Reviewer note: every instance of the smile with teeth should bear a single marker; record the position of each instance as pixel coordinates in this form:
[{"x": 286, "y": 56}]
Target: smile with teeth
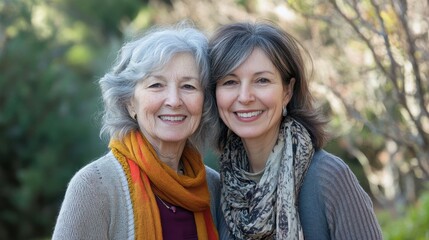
[
  {"x": 248, "y": 114},
  {"x": 172, "y": 118}
]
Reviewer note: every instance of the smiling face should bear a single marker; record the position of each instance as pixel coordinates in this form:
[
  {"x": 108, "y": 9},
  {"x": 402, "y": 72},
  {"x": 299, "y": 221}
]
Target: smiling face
[
  {"x": 169, "y": 102},
  {"x": 250, "y": 99}
]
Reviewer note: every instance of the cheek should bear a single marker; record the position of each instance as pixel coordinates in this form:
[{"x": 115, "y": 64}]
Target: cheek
[
  {"x": 221, "y": 100},
  {"x": 273, "y": 98},
  {"x": 196, "y": 105},
  {"x": 147, "y": 107}
]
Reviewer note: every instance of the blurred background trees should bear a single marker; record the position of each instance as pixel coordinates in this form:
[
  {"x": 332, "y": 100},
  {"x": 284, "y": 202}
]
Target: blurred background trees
[
  {"x": 378, "y": 54},
  {"x": 51, "y": 53},
  {"x": 370, "y": 75}
]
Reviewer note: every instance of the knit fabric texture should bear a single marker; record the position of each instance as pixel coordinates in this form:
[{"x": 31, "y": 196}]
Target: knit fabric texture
[
  {"x": 333, "y": 205},
  {"x": 97, "y": 204}
]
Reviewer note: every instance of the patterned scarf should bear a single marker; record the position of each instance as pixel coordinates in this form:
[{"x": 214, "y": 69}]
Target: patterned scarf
[
  {"x": 268, "y": 209},
  {"x": 147, "y": 175}
]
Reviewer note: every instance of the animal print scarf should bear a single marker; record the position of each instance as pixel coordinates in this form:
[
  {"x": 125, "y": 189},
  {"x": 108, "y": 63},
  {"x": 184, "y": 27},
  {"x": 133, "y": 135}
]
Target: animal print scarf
[{"x": 268, "y": 209}]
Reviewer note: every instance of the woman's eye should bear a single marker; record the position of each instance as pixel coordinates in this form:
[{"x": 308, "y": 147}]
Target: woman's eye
[
  {"x": 228, "y": 82},
  {"x": 189, "y": 86},
  {"x": 263, "y": 80},
  {"x": 155, "y": 85}
]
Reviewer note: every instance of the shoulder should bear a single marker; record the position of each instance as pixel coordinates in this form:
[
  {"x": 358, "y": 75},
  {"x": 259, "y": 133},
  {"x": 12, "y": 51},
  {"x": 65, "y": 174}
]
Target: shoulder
[
  {"x": 88, "y": 175},
  {"x": 324, "y": 174},
  {"x": 96, "y": 173},
  {"x": 328, "y": 163},
  {"x": 334, "y": 180},
  {"x": 212, "y": 174},
  {"x": 95, "y": 202},
  {"x": 330, "y": 197},
  {"x": 326, "y": 169},
  {"x": 213, "y": 181},
  {"x": 329, "y": 177},
  {"x": 98, "y": 181}
]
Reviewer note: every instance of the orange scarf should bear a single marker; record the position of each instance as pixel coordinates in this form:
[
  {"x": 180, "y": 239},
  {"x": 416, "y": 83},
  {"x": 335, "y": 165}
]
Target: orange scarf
[{"x": 147, "y": 175}]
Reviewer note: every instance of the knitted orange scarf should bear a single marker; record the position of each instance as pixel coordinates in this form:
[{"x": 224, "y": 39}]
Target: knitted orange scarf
[{"x": 147, "y": 175}]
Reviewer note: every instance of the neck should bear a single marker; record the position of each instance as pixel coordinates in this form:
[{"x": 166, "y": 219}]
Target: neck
[
  {"x": 170, "y": 153},
  {"x": 259, "y": 149}
]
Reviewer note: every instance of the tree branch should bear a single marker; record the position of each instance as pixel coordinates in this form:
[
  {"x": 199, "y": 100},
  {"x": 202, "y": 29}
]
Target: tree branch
[
  {"x": 362, "y": 36},
  {"x": 393, "y": 66},
  {"x": 401, "y": 14}
]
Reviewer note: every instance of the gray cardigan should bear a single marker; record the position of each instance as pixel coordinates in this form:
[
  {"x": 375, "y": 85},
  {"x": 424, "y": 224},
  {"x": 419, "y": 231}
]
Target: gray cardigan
[
  {"x": 97, "y": 204},
  {"x": 332, "y": 204}
]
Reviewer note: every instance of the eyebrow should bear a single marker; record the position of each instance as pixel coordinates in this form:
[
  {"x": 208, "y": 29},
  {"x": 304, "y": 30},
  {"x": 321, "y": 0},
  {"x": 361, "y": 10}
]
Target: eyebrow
[
  {"x": 184, "y": 78},
  {"x": 262, "y": 72},
  {"x": 256, "y": 74}
]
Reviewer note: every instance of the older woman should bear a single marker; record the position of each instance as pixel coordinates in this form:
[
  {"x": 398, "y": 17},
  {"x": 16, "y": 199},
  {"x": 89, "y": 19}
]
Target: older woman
[
  {"x": 153, "y": 183},
  {"x": 277, "y": 181}
]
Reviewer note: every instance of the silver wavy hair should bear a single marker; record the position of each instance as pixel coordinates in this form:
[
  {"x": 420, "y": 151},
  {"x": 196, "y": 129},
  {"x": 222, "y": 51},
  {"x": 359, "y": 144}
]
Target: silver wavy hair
[{"x": 136, "y": 60}]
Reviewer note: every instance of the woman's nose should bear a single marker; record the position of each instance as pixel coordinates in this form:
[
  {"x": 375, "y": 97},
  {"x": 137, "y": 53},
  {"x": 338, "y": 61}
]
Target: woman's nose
[
  {"x": 173, "y": 98},
  {"x": 245, "y": 94}
]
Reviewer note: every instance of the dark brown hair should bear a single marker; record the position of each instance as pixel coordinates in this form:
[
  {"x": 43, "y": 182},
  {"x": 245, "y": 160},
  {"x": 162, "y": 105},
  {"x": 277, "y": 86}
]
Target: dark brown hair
[{"x": 232, "y": 44}]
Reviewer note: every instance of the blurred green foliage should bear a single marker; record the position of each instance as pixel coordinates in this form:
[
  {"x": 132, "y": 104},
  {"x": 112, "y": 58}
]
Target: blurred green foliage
[
  {"x": 413, "y": 225},
  {"x": 51, "y": 54}
]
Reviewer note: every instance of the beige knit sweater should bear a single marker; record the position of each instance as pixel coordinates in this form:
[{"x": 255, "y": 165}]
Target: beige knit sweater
[{"x": 97, "y": 204}]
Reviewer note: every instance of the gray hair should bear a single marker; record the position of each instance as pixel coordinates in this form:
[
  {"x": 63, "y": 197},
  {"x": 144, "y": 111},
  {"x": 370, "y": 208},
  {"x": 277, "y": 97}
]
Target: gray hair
[
  {"x": 139, "y": 58},
  {"x": 232, "y": 44}
]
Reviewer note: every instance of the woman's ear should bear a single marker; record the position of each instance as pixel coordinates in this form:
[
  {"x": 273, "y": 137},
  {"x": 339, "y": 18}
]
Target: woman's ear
[
  {"x": 289, "y": 91},
  {"x": 131, "y": 109}
]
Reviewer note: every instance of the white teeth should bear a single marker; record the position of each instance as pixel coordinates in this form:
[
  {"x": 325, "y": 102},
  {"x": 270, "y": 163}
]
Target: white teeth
[
  {"x": 172, "y": 119},
  {"x": 249, "y": 114}
]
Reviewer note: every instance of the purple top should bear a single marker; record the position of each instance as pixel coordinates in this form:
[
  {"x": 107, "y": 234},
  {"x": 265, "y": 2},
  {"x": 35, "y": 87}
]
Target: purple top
[{"x": 176, "y": 225}]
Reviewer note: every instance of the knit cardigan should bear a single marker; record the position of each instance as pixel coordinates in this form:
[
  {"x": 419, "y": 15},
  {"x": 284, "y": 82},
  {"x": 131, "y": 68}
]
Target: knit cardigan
[
  {"x": 97, "y": 204},
  {"x": 333, "y": 205}
]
